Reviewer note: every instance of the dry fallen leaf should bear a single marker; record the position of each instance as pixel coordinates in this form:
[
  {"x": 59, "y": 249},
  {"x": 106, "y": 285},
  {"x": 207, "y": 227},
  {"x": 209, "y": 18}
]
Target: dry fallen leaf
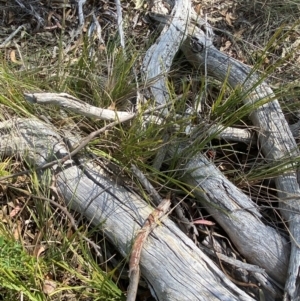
[
  {"x": 13, "y": 57},
  {"x": 139, "y": 4},
  {"x": 15, "y": 211},
  {"x": 17, "y": 230},
  {"x": 38, "y": 250},
  {"x": 112, "y": 106},
  {"x": 198, "y": 9},
  {"x": 49, "y": 286},
  {"x": 228, "y": 18},
  {"x": 227, "y": 45},
  {"x": 238, "y": 34}
]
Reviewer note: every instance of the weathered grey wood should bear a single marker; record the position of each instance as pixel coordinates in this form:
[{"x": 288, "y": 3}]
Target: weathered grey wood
[
  {"x": 171, "y": 247},
  {"x": 173, "y": 266},
  {"x": 73, "y": 104},
  {"x": 232, "y": 208},
  {"x": 238, "y": 215},
  {"x": 70, "y": 103},
  {"x": 274, "y": 134},
  {"x": 167, "y": 246},
  {"x": 159, "y": 57}
]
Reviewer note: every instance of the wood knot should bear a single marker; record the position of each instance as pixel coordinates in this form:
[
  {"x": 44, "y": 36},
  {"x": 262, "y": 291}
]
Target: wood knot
[{"x": 196, "y": 45}]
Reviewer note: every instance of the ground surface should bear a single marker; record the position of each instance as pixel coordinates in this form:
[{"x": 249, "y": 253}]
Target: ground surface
[{"x": 51, "y": 52}]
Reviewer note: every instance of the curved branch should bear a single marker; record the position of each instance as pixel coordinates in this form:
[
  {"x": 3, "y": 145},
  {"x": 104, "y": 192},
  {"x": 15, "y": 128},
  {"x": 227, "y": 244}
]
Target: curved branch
[
  {"x": 274, "y": 134},
  {"x": 168, "y": 258},
  {"x": 237, "y": 213},
  {"x": 73, "y": 104}
]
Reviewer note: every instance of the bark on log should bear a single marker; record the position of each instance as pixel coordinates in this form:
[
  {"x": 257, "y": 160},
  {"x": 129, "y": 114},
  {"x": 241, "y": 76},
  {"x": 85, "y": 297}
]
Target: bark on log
[
  {"x": 273, "y": 131},
  {"x": 236, "y": 212},
  {"x": 169, "y": 257},
  {"x": 274, "y": 134},
  {"x": 173, "y": 266}
]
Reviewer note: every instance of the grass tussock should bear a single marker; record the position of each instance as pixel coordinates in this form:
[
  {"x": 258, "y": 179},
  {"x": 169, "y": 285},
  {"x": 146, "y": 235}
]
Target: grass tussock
[{"x": 42, "y": 257}]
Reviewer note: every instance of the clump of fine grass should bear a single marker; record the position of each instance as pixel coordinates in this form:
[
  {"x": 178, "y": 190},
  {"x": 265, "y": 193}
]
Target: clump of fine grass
[
  {"x": 46, "y": 247},
  {"x": 50, "y": 260}
]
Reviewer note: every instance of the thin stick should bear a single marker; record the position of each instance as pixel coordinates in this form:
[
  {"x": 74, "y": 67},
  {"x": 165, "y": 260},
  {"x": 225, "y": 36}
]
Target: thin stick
[
  {"x": 11, "y": 36},
  {"x": 150, "y": 223},
  {"x": 120, "y": 23},
  {"x": 80, "y": 12},
  {"x": 83, "y": 143},
  {"x": 146, "y": 184},
  {"x": 98, "y": 29}
]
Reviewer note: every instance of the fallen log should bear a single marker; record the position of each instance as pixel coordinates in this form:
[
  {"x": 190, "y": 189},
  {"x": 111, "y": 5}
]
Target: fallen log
[
  {"x": 274, "y": 134},
  {"x": 167, "y": 257},
  {"x": 235, "y": 212},
  {"x": 173, "y": 266}
]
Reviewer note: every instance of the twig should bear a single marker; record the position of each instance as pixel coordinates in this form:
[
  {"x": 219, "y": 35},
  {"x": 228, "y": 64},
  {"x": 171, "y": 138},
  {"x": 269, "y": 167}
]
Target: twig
[
  {"x": 258, "y": 273},
  {"x": 80, "y": 12},
  {"x": 235, "y": 262},
  {"x": 184, "y": 224},
  {"x": 120, "y": 23},
  {"x": 10, "y": 37},
  {"x": 31, "y": 12},
  {"x": 74, "y": 104},
  {"x": 150, "y": 224},
  {"x": 94, "y": 27},
  {"x": 83, "y": 143},
  {"x": 146, "y": 184},
  {"x": 98, "y": 29}
]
